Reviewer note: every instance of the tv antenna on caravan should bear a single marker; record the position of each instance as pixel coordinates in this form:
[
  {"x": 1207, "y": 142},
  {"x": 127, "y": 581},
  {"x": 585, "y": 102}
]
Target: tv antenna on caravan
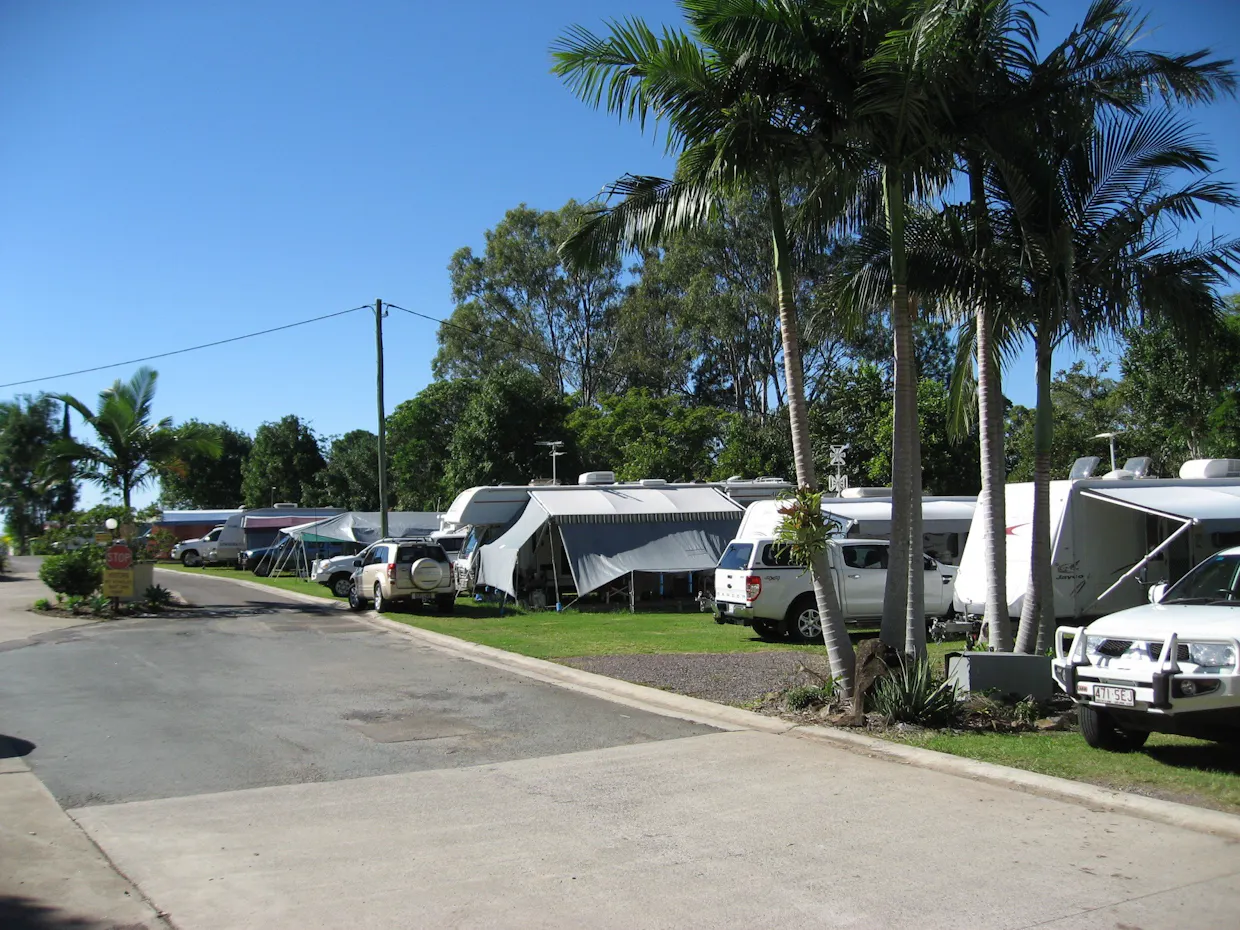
[
  {"x": 555, "y": 446},
  {"x": 1111, "y": 437}
]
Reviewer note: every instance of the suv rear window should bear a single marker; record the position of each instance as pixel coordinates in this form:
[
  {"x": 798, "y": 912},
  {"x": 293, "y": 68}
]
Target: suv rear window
[
  {"x": 736, "y": 556},
  {"x": 777, "y": 555},
  {"x": 411, "y": 552}
]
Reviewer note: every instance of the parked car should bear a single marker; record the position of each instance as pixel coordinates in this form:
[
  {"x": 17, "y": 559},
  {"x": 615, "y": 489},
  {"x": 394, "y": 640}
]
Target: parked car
[
  {"x": 1169, "y": 666},
  {"x": 337, "y": 572},
  {"x": 756, "y": 585},
  {"x": 403, "y": 571},
  {"x": 191, "y": 552}
]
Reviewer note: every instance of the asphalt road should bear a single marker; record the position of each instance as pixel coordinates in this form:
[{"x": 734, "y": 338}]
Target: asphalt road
[{"x": 257, "y": 690}]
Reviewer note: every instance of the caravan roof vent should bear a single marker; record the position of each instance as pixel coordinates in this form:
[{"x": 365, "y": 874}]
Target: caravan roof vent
[
  {"x": 1139, "y": 465},
  {"x": 1083, "y": 467},
  {"x": 653, "y": 482},
  {"x": 1119, "y": 474},
  {"x": 866, "y": 492},
  {"x": 769, "y": 479},
  {"x": 286, "y": 505},
  {"x": 1211, "y": 468},
  {"x": 597, "y": 477}
]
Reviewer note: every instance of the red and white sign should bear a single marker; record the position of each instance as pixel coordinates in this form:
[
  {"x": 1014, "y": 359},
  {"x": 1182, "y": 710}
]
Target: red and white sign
[{"x": 118, "y": 557}]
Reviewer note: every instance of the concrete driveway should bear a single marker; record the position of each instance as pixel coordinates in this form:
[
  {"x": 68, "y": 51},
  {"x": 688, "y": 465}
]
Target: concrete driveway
[{"x": 272, "y": 767}]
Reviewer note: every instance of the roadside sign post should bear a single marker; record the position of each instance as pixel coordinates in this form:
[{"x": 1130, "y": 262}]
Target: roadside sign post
[{"x": 118, "y": 573}]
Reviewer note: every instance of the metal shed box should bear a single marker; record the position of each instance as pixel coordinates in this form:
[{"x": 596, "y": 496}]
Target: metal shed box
[{"x": 1005, "y": 672}]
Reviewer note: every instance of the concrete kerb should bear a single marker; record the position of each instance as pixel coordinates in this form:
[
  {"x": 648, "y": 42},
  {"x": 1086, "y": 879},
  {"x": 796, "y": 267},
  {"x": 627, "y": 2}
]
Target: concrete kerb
[{"x": 697, "y": 710}]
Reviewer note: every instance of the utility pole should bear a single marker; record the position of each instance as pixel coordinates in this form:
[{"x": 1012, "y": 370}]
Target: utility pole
[{"x": 383, "y": 504}]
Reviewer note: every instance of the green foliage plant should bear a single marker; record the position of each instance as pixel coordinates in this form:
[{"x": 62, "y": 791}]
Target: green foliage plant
[
  {"x": 42, "y": 604},
  {"x": 74, "y": 601},
  {"x": 803, "y": 698},
  {"x": 805, "y": 531},
  {"x": 912, "y": 695},
  {"x": 77, "y": 574},
  {"x": 99, "y": 605},
  {"x": 157, "y": 596}
]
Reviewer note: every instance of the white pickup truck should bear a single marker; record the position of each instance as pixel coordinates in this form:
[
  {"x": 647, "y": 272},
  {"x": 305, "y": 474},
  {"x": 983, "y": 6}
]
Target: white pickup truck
[
  {"x": 1170, "y": 666},
  {"x": 756, "y": 585}
]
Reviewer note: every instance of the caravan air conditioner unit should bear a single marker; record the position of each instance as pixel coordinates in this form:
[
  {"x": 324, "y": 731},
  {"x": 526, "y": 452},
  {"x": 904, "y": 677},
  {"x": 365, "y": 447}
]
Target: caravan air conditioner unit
[
  {"x": 653, "y": 482},
  {"x": 597, "y": 477},
  {"x": 1211, "y": 468},
  {"x": 284, "y": 505},
  {"x": 866, "y": 492}
]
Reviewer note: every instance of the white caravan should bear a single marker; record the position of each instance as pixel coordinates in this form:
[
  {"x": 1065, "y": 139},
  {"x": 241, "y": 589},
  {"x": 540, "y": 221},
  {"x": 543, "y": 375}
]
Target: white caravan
[
  {"x": 945, "y": 520},
  {"x": 259, "y": 527},
  {"x": 484, "y": 513},
  {"x": 1110, "y": 537}
]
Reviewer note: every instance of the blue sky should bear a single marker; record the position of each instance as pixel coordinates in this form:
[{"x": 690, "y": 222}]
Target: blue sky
[{"x": 173, "y": 174}]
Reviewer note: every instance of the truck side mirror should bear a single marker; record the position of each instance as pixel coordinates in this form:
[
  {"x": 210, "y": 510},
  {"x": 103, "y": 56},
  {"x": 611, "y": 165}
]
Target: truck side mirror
[{"x": 1157, "y": 591}]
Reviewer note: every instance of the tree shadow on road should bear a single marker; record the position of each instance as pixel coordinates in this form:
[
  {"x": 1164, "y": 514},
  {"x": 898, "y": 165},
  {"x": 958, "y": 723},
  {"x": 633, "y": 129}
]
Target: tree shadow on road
[
  {"x": 18, "y": 913},
  {"x": 14, "y": 747}
]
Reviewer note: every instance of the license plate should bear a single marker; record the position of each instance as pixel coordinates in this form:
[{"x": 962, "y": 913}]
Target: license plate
[{"x": 1121, "y": 697}]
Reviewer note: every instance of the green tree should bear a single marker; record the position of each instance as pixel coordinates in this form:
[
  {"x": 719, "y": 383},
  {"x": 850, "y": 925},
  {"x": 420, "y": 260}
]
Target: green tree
[
  {"x": 419, "y": 443},
  {"x": 518, "y": 302},
  {"x": 28, "y": 430},
  {"x": 206, "y": 481},
  {"x": 732, "y": 134},
  {"x": 639, "y": 436},
  {"x": 282, "y": 464},
  {"x": 1182, "y": 399},
  {"x": 351, "y": 477},
  {"x": 495, "y": 441},
  {"x": 754, "y": 446},
  {"x": 132, "y": 449}
]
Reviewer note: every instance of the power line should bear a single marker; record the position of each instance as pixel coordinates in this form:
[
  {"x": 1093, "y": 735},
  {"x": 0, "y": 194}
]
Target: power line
[{"x": 205, "y": 345}]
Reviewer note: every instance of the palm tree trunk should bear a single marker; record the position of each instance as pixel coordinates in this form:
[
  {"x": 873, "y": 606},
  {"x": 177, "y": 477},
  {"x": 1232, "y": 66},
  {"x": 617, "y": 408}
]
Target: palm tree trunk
[
  {"x": 1038, "y": 611},
  {"x": 834, "y": 633},
  {"x": 990, "y": 434},
  {"x": 915, "y": 626},
  {"x": 905, "y": 454}
]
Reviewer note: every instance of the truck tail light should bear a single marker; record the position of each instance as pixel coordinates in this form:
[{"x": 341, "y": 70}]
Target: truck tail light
[
  {"x": 753, "y": 587},
  {"x": 391, "y": 571}
]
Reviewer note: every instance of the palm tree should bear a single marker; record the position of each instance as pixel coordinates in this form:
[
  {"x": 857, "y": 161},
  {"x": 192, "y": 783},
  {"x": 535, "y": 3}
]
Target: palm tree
[
  {"x": 27, "y": 430},
  {"x": 732, "y": 132},
  {"x": 130, "y": 447},
  {"x": 1088, "y": 220}
]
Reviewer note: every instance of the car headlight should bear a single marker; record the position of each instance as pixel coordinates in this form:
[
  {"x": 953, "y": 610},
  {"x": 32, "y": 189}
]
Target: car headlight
[{"x": 1212, "y": 655}]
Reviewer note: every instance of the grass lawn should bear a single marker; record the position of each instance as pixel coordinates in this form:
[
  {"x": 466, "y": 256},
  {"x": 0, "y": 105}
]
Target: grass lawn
[{"x": 1172, "y": 767}]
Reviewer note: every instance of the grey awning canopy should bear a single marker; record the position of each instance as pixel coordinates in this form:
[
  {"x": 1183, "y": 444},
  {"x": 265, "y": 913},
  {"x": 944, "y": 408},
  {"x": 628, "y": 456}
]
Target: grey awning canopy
[{"x": 608, "y": 533}]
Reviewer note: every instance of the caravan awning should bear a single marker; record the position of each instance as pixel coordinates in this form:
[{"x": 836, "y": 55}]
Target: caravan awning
[
  {"x": 1197, "y": 504},
  {"x": 609, "y": 532},
  {"x": 362, "y": 526},
  {"x": 635, "y": 504}
]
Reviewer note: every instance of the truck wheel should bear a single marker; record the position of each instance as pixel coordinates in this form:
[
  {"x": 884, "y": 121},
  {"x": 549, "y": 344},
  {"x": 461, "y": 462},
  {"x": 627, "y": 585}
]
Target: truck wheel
[
  {"x": 446, "y": 603},
  {"x": 191, "y": 559},
  {"x": 341, "y": 585},
  {"x": 1102, "y": 732},
  {"x": 766, "y": 629},
  {"x": 802, "y": 622}
]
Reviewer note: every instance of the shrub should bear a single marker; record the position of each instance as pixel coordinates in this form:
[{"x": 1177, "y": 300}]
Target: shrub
[
  {"x": 74, "y": 601},
  {"x": 42, "y": 604},
  {"x": 157, "y": 596},
  {"x": 809, "y": 696},
  {"x": 75, "y": 573},
  {"x": 99, "y": 605},
  {"x": 911, "y": 695}
]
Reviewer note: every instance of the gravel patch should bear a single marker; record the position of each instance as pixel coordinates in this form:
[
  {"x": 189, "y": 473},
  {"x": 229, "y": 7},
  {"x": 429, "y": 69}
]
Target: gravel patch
[{"x": 727, "y": 678}]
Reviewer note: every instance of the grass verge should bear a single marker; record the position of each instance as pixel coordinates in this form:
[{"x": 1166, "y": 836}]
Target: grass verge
[
  {"x": 287, "y": 583},
  {"x": 1174, "y": 768}
]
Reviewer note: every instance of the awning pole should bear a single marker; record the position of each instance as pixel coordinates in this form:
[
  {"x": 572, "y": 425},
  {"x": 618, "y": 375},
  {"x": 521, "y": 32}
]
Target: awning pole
[
  {"x": 1140, "y": 565},
  {"x": 555, "y": 572},
  {"x": 632, "y": 592}
]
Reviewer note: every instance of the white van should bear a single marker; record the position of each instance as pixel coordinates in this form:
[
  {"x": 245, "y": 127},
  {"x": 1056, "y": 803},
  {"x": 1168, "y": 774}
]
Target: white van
[{"x": 254, "y": 529}]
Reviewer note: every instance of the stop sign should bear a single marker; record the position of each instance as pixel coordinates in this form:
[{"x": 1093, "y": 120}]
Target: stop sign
[{"x": 118, "y": 557}]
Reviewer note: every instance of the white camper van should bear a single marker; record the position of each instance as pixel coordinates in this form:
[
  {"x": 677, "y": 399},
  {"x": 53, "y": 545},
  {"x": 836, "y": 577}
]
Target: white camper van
[
  {"x": 253, "y": 529},
  {"x": 1111, "y": 537},
  {"x": 861, "y": 515}
]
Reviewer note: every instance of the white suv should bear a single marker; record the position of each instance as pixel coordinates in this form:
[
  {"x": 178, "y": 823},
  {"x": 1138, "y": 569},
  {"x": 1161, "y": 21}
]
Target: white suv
[
  {"x": 1170, "y": 666},
  {"x": 412, "y": 570},
  {"x": 756, "y": 585}
]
